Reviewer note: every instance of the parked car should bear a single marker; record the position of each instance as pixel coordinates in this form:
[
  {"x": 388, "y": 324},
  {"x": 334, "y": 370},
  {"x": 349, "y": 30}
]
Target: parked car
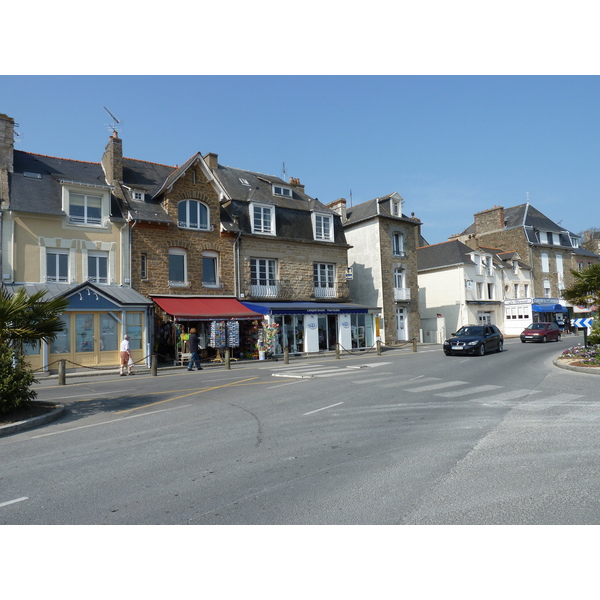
[
  {"x": 541, "y": 332},
  {"x": 474, "y": 339}
]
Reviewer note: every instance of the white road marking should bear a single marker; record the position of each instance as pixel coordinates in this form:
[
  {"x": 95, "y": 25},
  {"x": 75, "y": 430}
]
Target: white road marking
[
  {"x": 436, "y": 386},
  {"x": 320, "y": 409},
  {"x": 107, "y": 422},
  {"x": 544, "y": 403},
  {"x": 512, "y": 395},
  {"x": 13, "y": 501},
  {"x": 474, "y": 390}
]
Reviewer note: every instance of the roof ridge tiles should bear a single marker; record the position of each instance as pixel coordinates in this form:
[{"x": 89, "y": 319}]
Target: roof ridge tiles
[
  {"x": 86, "y": 162},
  {"x": 150, "y": 162}
]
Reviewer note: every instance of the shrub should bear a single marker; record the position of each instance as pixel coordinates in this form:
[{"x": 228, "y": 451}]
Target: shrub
[
  {"x": 588, "y": 356},
  {"x": 15, "y": 381},
  {"x": 594, "y": 337}
]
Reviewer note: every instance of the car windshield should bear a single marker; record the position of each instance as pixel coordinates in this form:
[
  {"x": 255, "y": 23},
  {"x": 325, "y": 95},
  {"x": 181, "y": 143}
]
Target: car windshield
[
  {"x": 468, "y": 331},
  {"x": 538, "y": 326}
]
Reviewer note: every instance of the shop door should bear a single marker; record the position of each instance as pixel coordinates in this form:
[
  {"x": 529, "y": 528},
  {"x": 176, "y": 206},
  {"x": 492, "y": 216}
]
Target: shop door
[
  {"x": 85, "y": 339},
  {"x": 401, "y": 323},
  {"x": 327, "y": 332}
]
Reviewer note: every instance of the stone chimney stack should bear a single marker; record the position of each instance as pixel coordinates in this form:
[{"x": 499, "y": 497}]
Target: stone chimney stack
[
  {"x": 489, "y": 220},
  {"x": 296, "y": 183},
  {"x": 339, "y": 206},
  {"x": 212, "y": 161},
  {"x": 112, "y": 161},
  {"x": 7, "y": 146}
]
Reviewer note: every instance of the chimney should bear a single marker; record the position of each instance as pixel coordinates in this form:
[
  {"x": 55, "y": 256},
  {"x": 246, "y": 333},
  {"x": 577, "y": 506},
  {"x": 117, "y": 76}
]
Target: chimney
[
  {"x": 296, "y": 183},
  {"x": 7, "y": 146},
  {"x": 212, "y": 161},
  {"x": 489, "y": 220},
  {"x": 112, "y": 160},
  {"x": 339, "y": 206}
]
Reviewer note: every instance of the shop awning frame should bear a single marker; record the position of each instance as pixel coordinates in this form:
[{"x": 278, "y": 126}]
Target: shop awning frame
[
  {"x": 188, "y": 308},
  {"x": 306, "y": 308},
  {"x": 549, "y": 308}
]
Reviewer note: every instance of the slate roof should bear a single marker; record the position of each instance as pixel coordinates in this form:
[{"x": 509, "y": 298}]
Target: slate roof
[
  {"x": 43, "y": 194},
  {"x": 445, "y": 254},
  {"x": 372, "y": 208},
  {"x": 293, "y": 219}
]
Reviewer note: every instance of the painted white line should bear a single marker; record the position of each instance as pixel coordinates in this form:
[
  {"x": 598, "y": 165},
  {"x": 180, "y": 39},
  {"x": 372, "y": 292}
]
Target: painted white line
[
  {"x": 283, "y": 384},
  {"x": 512, "y": 395},
  {"x": 107, "y": 394},
  {"x": 320, "y": 409},
  {"x": 13, "y": 501},
  {"x": 108, "y": 422},
  {"x": 474, "y": 390},
  {"x": 544, "y": 403},
  {"x": 436, "y": 386}
]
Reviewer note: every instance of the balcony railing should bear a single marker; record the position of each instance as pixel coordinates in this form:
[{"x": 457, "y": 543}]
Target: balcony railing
[
  {"x": 267, "y": 288},
  {"x": 401, "y": 294},
  {"x": 339, "y": 291}
]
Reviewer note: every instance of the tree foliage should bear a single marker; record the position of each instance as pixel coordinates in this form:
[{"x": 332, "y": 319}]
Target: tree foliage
[
  {"x": 15, "y": 381},
  {"x": 26, "y": 319},
  {"x": 585, "y": 288}
]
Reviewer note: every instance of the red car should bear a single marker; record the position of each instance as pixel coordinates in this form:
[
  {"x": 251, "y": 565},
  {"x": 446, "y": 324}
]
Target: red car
[{"x": 541, "y": 332}]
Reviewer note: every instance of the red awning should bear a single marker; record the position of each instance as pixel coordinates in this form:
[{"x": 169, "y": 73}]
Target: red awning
[{"x": 204, "y": 309}]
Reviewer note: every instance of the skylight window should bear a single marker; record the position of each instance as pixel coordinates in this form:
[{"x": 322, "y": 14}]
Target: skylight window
[
  {"x": 244, "y": 182},
  {"x": 32, "y": 175}
]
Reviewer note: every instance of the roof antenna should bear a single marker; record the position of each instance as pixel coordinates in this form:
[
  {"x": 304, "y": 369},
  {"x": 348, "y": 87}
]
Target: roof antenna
[
  {"x": 113, "y": 127},
  {"x": 284, "y": 171},
  {"x": 350, "y": 197},
  {"x": 527, "y": 197}
]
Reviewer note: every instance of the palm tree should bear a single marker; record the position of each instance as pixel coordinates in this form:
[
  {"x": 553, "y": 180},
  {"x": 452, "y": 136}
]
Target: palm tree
[
  {"x": 586, "y": 287},
  {"x": 27, "y": 319}
]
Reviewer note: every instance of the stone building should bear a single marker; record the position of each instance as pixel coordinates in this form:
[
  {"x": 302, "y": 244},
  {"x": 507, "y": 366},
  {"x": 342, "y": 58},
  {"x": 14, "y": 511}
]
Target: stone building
[
  {"x": 291, "y": 261},
  {"x": 383, "y": 260},
  {"x": 548, "y": 248}
]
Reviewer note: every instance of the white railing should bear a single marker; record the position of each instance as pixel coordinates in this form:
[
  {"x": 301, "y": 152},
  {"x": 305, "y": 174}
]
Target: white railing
[
  {"x": 401, "y": 293},
  {"x": 264, "y": 291},
  {"x": 325, "y": 292}
]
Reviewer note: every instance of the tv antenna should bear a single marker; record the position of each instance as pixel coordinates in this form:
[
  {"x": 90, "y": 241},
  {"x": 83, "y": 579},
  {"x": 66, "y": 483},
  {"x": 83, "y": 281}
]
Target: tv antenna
[{"x": 116, "y": 121}]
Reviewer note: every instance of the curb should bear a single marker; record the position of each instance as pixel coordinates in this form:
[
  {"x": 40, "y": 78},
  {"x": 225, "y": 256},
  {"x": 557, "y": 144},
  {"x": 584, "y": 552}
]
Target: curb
[
  {"x": 588, "y": 370},
  {"x": 59, "y": 409}
]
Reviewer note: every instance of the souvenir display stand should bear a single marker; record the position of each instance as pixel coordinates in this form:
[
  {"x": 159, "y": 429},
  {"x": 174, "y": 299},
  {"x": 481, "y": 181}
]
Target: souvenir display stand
[{"x": 223, "y": 335}]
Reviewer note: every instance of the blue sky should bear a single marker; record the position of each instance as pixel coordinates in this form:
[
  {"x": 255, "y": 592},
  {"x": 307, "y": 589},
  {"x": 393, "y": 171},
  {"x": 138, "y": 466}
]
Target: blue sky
[{"x": 449, "y": 145}]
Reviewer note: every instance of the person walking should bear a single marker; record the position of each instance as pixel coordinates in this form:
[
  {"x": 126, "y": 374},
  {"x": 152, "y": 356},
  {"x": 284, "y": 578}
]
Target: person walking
[
  {"x": 126, "y": 362},
  {"x": 194, "y": 358}
]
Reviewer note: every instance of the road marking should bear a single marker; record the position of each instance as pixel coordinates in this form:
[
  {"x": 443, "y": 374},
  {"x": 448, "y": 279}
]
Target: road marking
[
  {"x": 401, "y": 382},
  {"x": 544, "y": 403},
  {"x": 320, "y": 409},
  {"x": 33, "y": 437},
  {"x": 436, "y": 386},
  {"x": 474, "y": 390},
  {"x": 512, "y": 395},
  {"x": 13, "y": 501}
]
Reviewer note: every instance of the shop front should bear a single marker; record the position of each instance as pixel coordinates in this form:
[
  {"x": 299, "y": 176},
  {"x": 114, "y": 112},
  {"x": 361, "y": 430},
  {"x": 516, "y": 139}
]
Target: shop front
[
  {"x": 94, "y": 324},
  {"x": 221, "y": 324},
  {"x": 548, "y": 309},
  {"x": 317, "y": 326}
]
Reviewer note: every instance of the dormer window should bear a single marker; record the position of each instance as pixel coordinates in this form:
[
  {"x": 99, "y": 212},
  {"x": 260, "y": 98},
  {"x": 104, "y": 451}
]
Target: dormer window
[
  {"x": 193, "y": 215},
  {"x": 86, "y": 209},
  {"x": 137, "y": 195},
  {"x": 395, "y": 208},
  {"x": 323, "y": 227},
  {"x": 279, "y": 190}
]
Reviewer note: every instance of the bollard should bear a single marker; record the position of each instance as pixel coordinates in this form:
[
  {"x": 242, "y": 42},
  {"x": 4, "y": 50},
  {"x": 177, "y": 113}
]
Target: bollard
[
  {"x": 414, "y": 344},
  {"x": 62, "y": 372},
  {"x": 286, "y": 355},
  {"x": 337, "y": 350},
  {"x": 227, "y": 359},
  {"x": 154, "y": 366},
  {"x": 378, "y": 347}
]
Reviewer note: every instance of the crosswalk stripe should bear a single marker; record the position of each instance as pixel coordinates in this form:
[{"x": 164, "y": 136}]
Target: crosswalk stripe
[
  {"x": 473, "y": 390},
  {"x": 436, "y": 386},
  {"x": 543, "y": 403},
  {"x": 510, "y": 395}
]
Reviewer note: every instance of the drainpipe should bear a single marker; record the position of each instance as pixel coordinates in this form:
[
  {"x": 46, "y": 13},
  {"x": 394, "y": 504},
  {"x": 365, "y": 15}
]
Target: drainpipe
[{"x": 236, "y": 265}]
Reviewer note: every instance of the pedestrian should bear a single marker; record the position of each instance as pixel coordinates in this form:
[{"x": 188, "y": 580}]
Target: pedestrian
[
  {"x": 567, "y": 325},
  {"x": 126, "y": 361},
  {"x": 194, "y": 358}
]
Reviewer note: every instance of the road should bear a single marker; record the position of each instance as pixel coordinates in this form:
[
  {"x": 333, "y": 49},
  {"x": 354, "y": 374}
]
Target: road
[{"x": 401, "y": 438}]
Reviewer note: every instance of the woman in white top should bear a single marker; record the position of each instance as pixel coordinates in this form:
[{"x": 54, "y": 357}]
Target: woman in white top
[{"x": 125, "y": 356}]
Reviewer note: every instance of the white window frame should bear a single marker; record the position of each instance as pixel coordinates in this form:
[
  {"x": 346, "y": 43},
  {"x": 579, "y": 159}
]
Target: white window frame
[
  {"x": 57, "y": 252},
  {"x": 543, "y": 237},
  {"x": 266, "y": 267},
  {"x": 87, "y": 192},
  {"x": 547, "y": 289},
  {"x": 178, "y": 252},
  {"x": 214, "y": 257},
  {"x": 545, "y": 260},
  {"x": 257, "y": 218},
  {"x": 197, "y": 205},
  {"x": 515, "y": 290},
  {"x": 322, "y": 227},
  {"x": 395, "y": 208},
  {"x": 137, "y": 195},
  {"x": 283, "y": 191},
  {"x": 324, "y": 280},
  {"x": 97, "y": 256},
  {"x": 398, "y": 243},
  {"x": 526, "y": 290},
  {"x": 143, "y": 266}
]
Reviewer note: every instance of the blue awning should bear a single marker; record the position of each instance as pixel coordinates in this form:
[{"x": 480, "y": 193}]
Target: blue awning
[
  {"x": 305, "y": 308},
  {"x": 549, "y": 308}
]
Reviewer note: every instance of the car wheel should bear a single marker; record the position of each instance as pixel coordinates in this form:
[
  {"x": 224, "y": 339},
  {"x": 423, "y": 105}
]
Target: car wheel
[
  {"x": 482, "y": 350},
  {"x": 500, "y": 346},
  {"x": 448, "y": 353},
  {"x": 544, "y": 340},
  {"x": 522, "y": 341},
  {"x": 558, "y": 338}
]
